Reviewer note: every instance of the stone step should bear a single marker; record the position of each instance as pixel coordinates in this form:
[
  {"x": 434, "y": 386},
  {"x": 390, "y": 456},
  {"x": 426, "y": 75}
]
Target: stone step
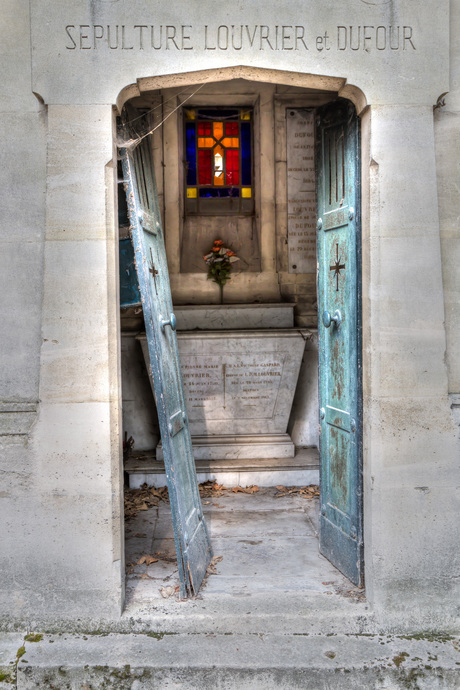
[
  {"x": 251, "y": 661},
  {"x": 302, "y": 469}
]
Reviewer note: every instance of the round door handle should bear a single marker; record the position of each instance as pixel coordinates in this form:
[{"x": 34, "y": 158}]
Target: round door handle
[
  {"x": 328, "y": 319},
  {"x": 171, "y": 322}
]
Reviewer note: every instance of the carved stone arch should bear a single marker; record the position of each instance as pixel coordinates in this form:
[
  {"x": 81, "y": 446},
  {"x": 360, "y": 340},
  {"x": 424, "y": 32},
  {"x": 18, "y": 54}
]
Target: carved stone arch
[{"x": 258, "y": 74}]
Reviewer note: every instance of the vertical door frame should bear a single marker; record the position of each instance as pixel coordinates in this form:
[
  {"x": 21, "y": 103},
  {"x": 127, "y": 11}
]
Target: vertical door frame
[{"x": 336, "y": 86}]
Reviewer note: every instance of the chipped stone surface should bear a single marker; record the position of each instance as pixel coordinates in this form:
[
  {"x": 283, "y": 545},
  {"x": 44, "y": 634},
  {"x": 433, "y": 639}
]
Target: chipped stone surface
[{"x": 251, "y": 661}]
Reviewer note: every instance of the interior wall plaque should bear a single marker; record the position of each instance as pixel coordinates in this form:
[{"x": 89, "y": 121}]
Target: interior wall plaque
[{"x": 301, "y": 191}]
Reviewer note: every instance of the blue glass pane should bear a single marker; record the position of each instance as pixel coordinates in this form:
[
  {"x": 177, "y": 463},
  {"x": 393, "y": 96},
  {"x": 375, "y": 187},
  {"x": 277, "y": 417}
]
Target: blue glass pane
[
  {"x": 190, "y": 152},
  {"x": 246, "y": 162},
  {"x": 218, "y": 193},
  {"x": 129, "y": 288}
]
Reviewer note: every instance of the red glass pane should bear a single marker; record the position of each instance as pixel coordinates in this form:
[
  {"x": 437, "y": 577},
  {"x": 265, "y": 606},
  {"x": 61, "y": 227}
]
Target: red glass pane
[
  {"x": 204, "y": 129},
  {"x": 233, "y": 166},
  {"x": 231, "y": 129},
  {"x": 204, "y": 166}
]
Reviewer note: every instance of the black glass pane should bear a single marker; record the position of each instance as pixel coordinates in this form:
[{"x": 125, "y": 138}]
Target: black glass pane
[
  {"x": 218, "y": 114},
  {"x": 218, "y": 193}
]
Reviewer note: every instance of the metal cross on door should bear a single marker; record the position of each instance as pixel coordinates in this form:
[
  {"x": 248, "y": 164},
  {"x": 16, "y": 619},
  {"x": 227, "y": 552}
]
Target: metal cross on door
[
  {"x": 339, "y": 331},
  {"x": 193, "y": 546}
]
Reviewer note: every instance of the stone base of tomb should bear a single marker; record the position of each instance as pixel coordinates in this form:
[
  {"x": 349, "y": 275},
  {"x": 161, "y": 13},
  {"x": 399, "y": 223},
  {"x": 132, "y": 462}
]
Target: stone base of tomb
[
  {"x": 234, "y": 447},
  {"x": 300, "y": 470}
]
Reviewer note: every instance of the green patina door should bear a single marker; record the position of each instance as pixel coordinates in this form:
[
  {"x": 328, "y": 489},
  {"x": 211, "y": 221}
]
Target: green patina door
[
  {"x": 192, "y": 542},
  {"x": 339, "y": 334}
]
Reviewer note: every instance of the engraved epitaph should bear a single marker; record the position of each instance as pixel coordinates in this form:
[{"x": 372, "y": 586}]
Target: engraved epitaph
[
  {"x": 231, "y": 387},
  {"x": 301, "y": 191}
]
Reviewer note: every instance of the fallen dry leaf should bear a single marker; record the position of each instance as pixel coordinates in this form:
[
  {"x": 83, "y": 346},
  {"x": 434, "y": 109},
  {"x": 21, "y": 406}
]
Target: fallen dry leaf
[
  {"x": 143, "y": 499},
  {"x": 211, "y": 569},
  {"x": 211, "y": 488},
  {"x": 168, "y": 591},
  {"x": 147, "y": 559},
  {"x": 248, "y": 490},
  {"x": 164, "y": 557},
  {"x": 305, "y": 491},
  {"x": 139, "y": 535}
]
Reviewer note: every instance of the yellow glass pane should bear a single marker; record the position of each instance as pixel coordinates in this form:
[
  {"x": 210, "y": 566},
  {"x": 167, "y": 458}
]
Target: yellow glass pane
[
  {"x": 189, "y": 114},
  {"x": 205, "y": 142},
  {"x": 218, "y": 129},
  {"x": 246, "y": 115},
  {"x": 231, "y": 142},
  {"x": 246, "y": 192},
  {"x": 191, "y": 192}
]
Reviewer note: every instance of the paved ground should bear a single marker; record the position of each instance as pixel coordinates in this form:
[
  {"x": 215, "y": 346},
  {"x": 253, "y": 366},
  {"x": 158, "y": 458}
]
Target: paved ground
[
  {"x": 276, "y": 614},
  {"x": 271, "y": 568}
]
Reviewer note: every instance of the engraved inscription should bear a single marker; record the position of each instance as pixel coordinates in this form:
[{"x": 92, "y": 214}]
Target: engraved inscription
[
  {"x": 231, "y": 386},
  {"x": 236, "y": 37},
  {"x": 335, "y": 219},
  {"x": 301, "y": 191},
  {"x": 370, "y": 38}
]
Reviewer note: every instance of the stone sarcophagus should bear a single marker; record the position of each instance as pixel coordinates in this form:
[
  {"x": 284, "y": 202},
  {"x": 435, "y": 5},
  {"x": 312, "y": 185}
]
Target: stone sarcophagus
[{"x": 239, "y": 384}]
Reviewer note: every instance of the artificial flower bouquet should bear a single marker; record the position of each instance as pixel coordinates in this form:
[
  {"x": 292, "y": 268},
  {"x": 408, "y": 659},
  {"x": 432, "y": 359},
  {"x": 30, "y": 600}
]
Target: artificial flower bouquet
[{"x": 220, "y": 262}]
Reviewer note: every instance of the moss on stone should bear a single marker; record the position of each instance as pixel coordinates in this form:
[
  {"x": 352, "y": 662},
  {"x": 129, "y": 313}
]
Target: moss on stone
[
  {"x": 33, "y": 637},
  {"x": 400, "y": 659}
]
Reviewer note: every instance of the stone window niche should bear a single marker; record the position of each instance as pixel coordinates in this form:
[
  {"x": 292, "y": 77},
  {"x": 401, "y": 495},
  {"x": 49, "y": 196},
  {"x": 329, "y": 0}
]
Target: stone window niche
[{"x": 236, "y": 220}]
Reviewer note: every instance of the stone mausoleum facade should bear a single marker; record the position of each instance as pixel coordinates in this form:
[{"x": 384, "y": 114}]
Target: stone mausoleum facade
[{"x": 72, "y": 374}]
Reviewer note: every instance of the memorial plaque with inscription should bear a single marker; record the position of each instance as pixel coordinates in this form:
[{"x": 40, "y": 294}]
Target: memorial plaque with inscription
[
  {"x": 231, "y": 387},
  {"x": 301, "y": 191}
]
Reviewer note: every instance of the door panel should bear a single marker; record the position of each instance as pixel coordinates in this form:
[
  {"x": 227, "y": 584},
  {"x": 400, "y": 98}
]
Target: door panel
[
  {"x": 339, "y": 335},
  {"x": 193, "y": 546}
]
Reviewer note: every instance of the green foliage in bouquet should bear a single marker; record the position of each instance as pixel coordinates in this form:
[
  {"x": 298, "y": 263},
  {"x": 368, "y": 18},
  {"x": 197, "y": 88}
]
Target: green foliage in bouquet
[{"x": 220, "y": 262}]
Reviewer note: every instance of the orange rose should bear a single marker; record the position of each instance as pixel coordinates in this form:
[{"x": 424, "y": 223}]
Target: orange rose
[
  {"x": 218, "y": 242},
  {"x": 230, "y": 253}
]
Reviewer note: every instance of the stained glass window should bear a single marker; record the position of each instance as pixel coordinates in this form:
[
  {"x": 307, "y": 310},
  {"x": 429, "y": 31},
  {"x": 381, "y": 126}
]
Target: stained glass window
[{"x": 218, "y": 157}]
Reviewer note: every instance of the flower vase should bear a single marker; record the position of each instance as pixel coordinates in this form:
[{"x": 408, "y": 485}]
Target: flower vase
[{"x": 221, "y": 288}]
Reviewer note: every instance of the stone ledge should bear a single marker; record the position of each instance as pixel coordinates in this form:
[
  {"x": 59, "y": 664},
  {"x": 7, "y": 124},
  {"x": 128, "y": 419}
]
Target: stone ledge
[
  {"x": 262, "y": 446},
  {"x": 250, "y": 661},
  {"x": 299, "y": 470},
  {"x": 305, "y": 458}
]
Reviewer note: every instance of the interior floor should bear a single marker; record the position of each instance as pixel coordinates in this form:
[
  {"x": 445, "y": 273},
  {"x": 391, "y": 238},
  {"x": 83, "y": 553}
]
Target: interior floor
[{"x": 266, "y": 551}]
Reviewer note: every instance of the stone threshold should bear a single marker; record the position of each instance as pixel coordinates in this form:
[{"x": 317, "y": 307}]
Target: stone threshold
[
  {"x": 257, "y": 660},
  {"x": 302, "y": 469}
]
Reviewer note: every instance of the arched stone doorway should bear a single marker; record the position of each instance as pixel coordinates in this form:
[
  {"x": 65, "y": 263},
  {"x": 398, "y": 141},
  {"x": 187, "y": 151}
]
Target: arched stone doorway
[{"x": 272, "y": 240}]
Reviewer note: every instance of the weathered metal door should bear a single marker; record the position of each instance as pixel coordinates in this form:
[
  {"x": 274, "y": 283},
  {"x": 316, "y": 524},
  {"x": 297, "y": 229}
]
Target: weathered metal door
[
  {"x": 339, "y": 331},
  {"x": 193, "y": 546}
]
